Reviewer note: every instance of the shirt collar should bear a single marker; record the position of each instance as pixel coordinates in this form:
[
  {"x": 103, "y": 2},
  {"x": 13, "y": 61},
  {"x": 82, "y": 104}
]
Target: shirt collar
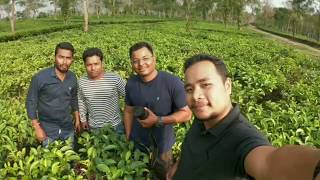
[{"x": 225, "y": 122}]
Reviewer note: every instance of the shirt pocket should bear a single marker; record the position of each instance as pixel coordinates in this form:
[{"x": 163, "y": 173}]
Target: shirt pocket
[{"x": 50, "y": 91}]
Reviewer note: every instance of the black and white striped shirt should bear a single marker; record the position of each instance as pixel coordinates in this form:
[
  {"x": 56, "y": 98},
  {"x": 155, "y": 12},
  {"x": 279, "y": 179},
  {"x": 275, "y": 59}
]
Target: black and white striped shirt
[{"x": 99, "y": 100}]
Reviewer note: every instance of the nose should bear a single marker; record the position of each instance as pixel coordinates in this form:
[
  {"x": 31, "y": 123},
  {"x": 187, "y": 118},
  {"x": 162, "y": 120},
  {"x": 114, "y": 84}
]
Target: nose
[
  {"x": 64, "y": 60},
  {"x": 93, "y": 68},
  {"x": 197, "y": 94},
  {"x": 140, "y": 62}
]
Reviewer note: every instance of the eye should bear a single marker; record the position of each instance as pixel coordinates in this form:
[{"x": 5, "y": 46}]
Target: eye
[
  {"x": 206, "y": 85},
  {"x": 188, "y": 90}
]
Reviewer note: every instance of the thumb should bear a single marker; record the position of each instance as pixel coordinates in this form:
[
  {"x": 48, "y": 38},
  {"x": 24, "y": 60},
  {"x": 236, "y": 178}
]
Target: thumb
[{"x": 147, "y": 109}]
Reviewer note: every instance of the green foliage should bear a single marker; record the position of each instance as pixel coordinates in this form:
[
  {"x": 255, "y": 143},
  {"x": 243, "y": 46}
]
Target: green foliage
[{"x": 276, "y": 87}]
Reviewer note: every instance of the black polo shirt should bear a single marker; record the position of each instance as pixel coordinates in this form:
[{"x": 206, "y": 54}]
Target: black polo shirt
[
  {"x": 51, "y": 100},
  {"x": 218, "y": 153}
]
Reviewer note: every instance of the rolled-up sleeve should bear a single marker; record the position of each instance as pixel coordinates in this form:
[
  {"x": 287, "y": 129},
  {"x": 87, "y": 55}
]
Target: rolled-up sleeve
[{"x": 32, "y": 98}]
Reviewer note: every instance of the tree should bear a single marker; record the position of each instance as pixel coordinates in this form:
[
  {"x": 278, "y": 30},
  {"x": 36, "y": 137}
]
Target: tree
[
  {"x": 299, "y": 9},
  {"x": 188, "y": 6},
  {"x": 55, "y": 6},
  {"x": 13, "y": 13},
  {"x": 281, "y": 18},
  {"x": 97, "y": 7},
  {"x": 113, "y": 6},
  {"x": 5, "y": 6},
  {"x": 65, "y": 6},
  {"x": 85, "y": 16},
  {"x": 268, "y": 13},
  {"x": 31, "y": 6},
  {"x": 13, "y": 16},
  {"x": 203, "y": 7},
  {"x": 225, "y": 8},
  {"x": 317, "y": 21},
  {"x": 238, "y": 8}
]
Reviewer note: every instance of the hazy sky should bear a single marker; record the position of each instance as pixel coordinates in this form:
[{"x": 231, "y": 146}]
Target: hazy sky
[{"x": 278, "y": 3}]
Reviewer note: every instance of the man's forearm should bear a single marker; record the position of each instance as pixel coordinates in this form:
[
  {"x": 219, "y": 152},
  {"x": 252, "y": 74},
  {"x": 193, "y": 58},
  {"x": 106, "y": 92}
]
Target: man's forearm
[
  {"x": 172, "y": 170},
  {"x": 316, "y": 173},
  {"x": 127, "y": 119},
  {"x": 293, "y": 162},
  {"x": 76, "y": 116},
  {"x": 182, "y": 115}
]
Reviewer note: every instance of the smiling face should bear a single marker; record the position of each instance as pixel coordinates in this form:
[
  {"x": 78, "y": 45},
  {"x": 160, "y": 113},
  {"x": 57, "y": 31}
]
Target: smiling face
[
  {"x": 208, "y": 95},
  {"x": 63, "y": 60},
  {"x": 94, "y": 67},
  {"x": 143, "y": 62}
]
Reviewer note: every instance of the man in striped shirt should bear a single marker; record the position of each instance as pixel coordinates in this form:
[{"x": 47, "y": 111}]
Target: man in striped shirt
[{"x": 99, "y": 94}]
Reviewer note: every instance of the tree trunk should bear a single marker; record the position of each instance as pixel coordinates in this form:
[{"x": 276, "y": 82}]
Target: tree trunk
[
  {"x": 85, "y": 16},
  {"x": 113, "y": 7},
  {"x": 225, "y": 18},
  {"x": 97, "y": 8},
  {"x": 55, "y": 10},
  {"x": 13, "y": 16},
  {"x": 239, "y": 21},
  {"x": 188, "y": 18}
]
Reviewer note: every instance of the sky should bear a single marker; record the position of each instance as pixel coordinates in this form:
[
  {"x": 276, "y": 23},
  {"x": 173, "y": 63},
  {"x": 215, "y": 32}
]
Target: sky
[{"x": 278, "y": 3}]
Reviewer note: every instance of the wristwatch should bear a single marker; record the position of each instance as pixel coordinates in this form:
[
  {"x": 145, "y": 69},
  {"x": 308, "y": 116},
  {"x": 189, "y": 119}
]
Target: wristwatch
[{"x": 160, "y": 121}]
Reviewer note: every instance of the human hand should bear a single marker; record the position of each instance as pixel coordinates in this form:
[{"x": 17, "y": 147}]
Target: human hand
[
  {"x": 85, "y": 125},
  {"x": 150, "y": 121},
  {"x": 171, "y": 171},
  {"x": 40, "y": 134},
  {"x": 77, "y": 126}
]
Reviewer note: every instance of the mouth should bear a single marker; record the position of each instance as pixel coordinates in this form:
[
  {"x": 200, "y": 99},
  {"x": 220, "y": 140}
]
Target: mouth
[
  {"x": 93, "y": 73},
  {"x": 141, "y": 70},
  {"x": 63, "y": 66},
  {"x": 199, "y": 107}
]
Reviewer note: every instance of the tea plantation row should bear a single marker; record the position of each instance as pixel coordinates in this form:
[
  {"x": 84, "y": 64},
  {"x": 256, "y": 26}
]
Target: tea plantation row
[{"x": 276, "y": 87}]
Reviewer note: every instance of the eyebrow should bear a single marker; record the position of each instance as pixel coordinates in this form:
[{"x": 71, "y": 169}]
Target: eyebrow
[
  {"x": 143, "y": 57},
  {"x": 198, "y": 81}
]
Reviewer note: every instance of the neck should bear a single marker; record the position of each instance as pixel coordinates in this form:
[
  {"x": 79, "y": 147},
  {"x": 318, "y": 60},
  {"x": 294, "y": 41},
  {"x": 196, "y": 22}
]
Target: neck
[
  {"x": 60, "y": 75},
  {"x": 150, "y": 77},
  {"x": 97, "y": 77},
  {"x": 215, "y": 120}
]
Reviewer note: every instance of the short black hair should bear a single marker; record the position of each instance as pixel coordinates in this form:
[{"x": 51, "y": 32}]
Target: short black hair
[
  {"x": 64, "y": 45},
  {"x": 89, "y": 52},
  {"x": 138, "y": 46},
  {"x": 218, "y": 63}
]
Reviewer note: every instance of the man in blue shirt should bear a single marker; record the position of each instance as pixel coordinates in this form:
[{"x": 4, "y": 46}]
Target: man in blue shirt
[
  {"x": 162, "y": 96},
  {"x": 52, "y": 98}
]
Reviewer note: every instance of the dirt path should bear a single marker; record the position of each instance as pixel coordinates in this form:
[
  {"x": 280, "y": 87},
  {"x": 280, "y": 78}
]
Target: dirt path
[{"x": 299, "y": 46}]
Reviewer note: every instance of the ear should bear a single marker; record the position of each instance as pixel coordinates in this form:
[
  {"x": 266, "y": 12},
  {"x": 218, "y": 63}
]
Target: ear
[{"x": 228, "y": 85}]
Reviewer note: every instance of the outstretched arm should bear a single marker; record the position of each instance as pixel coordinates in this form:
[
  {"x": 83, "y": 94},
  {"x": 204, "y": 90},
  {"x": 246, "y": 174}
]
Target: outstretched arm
[{"x": 288, "y": 162}]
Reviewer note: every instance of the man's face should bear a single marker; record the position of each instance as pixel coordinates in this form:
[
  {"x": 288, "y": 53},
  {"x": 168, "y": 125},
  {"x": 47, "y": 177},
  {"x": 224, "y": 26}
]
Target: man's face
[
  {"x": 207, "y": 95},
  {"x": 63, "y": 60},
  {"x": 94, "y": 67},
  {"x": 143, "y": 62}
]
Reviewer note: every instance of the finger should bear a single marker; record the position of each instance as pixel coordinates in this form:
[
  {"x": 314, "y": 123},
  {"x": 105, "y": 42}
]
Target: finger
[
  {"x": 143, "y": 124},
  {"x": 147, "y": 109}
]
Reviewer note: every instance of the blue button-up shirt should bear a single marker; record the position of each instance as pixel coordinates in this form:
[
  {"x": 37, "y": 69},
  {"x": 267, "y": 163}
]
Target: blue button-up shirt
[{"x": 51, "y": 100}]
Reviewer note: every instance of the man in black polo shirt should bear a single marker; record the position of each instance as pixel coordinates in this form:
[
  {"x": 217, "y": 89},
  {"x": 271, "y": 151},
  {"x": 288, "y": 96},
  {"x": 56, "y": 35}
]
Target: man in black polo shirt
[
  {"x": 222, "y": 144},
  {"x": 52, "y": 98}
]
